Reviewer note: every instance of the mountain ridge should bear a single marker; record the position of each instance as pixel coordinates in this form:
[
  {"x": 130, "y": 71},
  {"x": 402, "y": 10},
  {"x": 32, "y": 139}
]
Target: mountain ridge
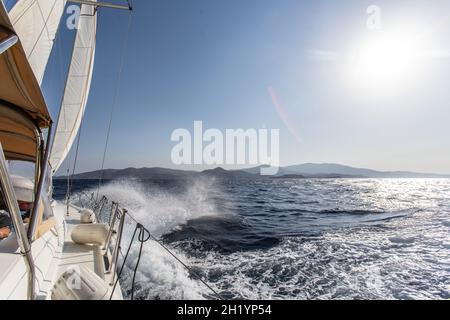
[{"x": 305, "y": 170}]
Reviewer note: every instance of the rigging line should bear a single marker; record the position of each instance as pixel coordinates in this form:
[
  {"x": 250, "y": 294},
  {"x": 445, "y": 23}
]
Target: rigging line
[
  {"x": 58, "y": 39},
  {"x": 141, "y": 239},
  {"x": 119, "y": 76},
  {"x": 61, "y": 73},
  {"x": 92, "y": 47},
  {"x": 68, "y": 185},
  {"x": 123, "y": 259},
  {"x": 75, "y": 160},
  {"x": 84, "y": 98},
  {"x": 189, "y": 269},
  {"x": 23, "y": 12},
  {"x": 66, "y": 80},
  {"x": 150, "y": 236}
]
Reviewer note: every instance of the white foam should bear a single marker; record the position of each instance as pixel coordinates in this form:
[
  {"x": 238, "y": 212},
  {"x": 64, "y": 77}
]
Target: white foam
[
  {"x": 160, "y": 212},
  {"x": 406, "y": 258}
]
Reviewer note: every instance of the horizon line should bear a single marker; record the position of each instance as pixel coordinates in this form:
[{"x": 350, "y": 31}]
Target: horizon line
[{"x": 258, "y": 166}]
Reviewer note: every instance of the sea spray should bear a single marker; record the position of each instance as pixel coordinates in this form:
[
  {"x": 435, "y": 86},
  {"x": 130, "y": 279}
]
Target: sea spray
[
  {"x": 336, "y": 238},
  {"x": 161, "y": 211}
]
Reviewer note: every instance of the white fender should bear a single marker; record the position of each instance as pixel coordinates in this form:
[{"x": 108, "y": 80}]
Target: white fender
[
  {"x": 90, "y": 233},
  {"x": 87, "y": 216}
]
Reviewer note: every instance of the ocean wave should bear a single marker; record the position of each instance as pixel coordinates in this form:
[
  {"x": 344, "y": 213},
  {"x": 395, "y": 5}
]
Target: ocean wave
[
  {"x": 161, "y": 211},
  {"x": 334, "y": 239}
]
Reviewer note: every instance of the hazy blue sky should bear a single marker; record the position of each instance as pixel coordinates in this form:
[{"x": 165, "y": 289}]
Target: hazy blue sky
[{"x": 219, "y": 61}]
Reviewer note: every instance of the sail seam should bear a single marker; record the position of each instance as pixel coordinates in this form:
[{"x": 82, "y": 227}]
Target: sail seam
[
  {"x": 23, "y": 13},
  {"x": 46, "y": 30}
]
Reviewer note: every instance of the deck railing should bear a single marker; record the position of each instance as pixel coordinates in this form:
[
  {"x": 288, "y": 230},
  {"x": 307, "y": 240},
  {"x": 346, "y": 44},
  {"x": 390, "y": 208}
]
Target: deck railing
[{"x": 115, "y": 220}]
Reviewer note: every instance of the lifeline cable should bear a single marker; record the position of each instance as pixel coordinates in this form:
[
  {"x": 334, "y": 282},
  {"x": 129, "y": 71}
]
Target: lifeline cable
[{"x": 178, "y": 259}]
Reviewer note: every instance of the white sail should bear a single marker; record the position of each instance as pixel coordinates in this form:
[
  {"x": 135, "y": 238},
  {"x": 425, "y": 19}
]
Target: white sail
[
  {"x": 36, "y": 23},
  {"x": 77, "y": 86}
]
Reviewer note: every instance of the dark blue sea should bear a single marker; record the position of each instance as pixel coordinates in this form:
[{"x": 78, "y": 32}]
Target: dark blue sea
[{"x": 287, "y": 238}]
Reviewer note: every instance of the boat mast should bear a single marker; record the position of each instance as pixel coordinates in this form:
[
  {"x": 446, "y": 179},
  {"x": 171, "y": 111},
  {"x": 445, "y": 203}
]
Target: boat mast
[{"x": 103, "y": 4}]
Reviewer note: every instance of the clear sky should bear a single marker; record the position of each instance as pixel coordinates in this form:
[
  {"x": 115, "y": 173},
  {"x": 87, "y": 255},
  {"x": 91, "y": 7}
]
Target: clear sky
[{"x": 225, "y": 62}]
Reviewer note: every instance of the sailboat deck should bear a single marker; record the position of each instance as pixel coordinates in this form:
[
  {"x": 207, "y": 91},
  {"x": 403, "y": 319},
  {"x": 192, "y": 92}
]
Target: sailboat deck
[{"x": 90, "y": 256}]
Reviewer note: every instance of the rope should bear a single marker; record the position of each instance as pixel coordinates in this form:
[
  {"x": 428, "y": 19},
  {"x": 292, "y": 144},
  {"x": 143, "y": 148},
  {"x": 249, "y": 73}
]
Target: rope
[
  {"x": 119, "y": 76},
  {"x": 60, "y": 61},
  {"x": 78, "y": 146},
  {"x": 178, "y": 259},
  {"x": 69, "y": 175},
  {"x": 58, "y": 40},
  {"x": 142, "y": 230},
  {"x": 142, "y": 238},
  {"x": 68, "y": 186},
  {"x": 123, "y": 258}
]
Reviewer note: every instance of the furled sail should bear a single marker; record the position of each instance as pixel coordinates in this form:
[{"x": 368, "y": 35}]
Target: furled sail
[
  {"x": 36, "y": 23},
  {"x": 77, "y": 86}
]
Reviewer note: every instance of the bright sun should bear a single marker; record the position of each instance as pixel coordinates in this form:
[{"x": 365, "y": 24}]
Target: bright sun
[{"x": 386, "y": 60}]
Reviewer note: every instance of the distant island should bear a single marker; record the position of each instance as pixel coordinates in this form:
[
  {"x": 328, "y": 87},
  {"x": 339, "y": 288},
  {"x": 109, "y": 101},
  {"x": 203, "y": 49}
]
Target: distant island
[{"x": 301, "y": 171}]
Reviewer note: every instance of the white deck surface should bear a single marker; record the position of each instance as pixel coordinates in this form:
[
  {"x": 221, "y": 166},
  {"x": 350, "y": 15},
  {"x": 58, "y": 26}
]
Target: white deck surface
[{"x": 53, "y": 254}]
